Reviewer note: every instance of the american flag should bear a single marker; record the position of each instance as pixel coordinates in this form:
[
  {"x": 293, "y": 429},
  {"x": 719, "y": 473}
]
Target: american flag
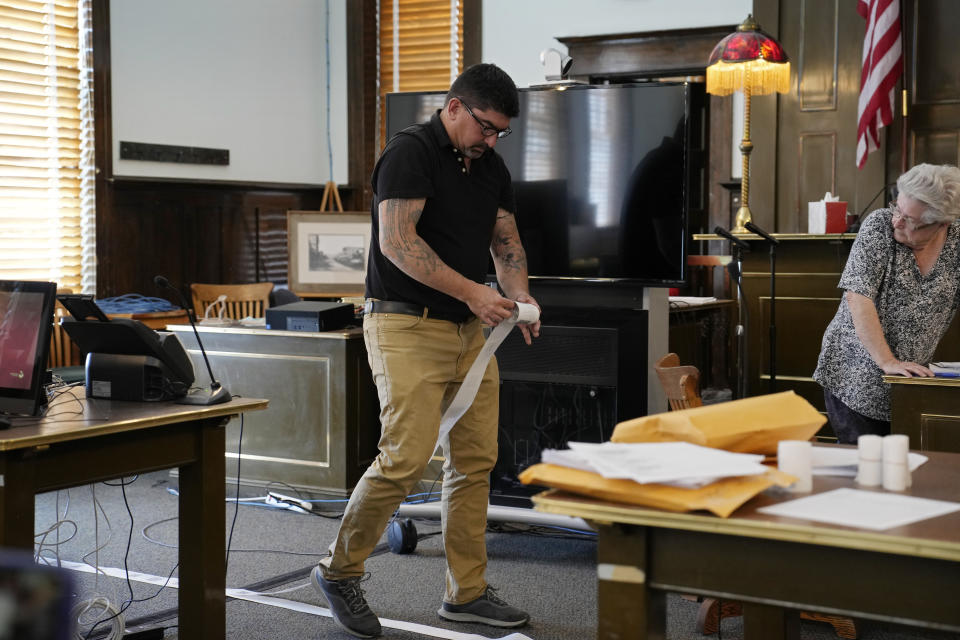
[{"x": 882, "y": 66}]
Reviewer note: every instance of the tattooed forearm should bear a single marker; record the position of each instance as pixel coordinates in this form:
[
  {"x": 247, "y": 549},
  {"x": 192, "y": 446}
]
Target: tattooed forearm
[{"x": 506, "y": 247}]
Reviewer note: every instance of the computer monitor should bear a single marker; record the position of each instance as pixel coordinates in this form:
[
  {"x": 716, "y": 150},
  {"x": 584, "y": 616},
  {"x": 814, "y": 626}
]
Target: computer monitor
[{"x": 26, "y": 319}]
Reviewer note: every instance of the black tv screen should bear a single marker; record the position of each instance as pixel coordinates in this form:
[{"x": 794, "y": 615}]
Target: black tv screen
[{"x": 600, "y": 176}]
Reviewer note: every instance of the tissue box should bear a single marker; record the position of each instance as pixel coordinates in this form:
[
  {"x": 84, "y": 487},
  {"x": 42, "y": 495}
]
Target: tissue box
[{"x": 836, "y": 217}]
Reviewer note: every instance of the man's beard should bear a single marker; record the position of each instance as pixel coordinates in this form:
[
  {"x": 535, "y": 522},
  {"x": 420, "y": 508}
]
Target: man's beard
[{"x": 475, "y": 151}]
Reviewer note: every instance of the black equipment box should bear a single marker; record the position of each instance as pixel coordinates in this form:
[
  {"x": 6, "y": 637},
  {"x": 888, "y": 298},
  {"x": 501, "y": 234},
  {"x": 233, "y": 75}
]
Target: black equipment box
[{"x": 310, "y": 316}]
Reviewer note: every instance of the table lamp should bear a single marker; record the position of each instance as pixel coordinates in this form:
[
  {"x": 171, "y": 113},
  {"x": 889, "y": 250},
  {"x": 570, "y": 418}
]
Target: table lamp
[{"x": 750, "y": 60}]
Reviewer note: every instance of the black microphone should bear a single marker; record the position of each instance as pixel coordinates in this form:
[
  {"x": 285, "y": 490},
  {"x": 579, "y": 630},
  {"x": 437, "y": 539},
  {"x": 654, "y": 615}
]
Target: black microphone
[
  {"x": 216, "y": 393},
  {"x": 760, "y": 232},
  {"x": 720, "y": 231}
]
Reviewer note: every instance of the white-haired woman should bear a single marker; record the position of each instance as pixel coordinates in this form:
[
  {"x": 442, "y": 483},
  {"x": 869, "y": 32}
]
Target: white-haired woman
[{"x": 901, "y": 290}]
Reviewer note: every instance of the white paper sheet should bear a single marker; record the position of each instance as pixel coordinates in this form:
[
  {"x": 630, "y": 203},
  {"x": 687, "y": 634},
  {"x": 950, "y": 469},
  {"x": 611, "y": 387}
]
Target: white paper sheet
[
  {"x": 661, "y": 462},
  {"x": 862, "y": 509},
  {"x": 831, "y": 461}
]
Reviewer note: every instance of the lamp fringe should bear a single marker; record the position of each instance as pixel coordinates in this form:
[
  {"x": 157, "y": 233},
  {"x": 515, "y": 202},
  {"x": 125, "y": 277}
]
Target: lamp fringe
[{"x": 723, "y": 78}]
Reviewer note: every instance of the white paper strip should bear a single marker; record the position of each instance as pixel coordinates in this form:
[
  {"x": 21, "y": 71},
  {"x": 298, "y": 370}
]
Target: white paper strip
[
  {"x": 292, "y": 605},
  {"x": 523, "y": 313}
]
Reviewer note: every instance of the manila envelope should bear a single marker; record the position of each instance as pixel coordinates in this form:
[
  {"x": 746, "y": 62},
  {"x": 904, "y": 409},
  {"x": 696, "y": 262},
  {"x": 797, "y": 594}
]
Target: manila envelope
[
  {"x": 750, "y": 425},
  {"x": 721, "y": 497}
]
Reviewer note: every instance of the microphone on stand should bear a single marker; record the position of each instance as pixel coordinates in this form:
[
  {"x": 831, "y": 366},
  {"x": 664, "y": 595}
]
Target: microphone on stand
[
  {"x": 720, "y": 231},
  {"x": 737, "y": 247},
  {"x": 760, "y": 232},
  {"x": 773, "y": 301},
  {"x": 216, "y": 393}
]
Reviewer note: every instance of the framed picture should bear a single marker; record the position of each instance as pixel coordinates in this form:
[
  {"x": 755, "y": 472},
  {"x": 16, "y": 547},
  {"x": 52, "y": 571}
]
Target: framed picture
[{"x": 327, "y": 252}]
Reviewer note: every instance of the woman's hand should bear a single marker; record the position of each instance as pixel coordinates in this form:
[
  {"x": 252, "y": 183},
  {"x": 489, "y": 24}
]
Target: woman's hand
[{"x": 909, "y": 369}]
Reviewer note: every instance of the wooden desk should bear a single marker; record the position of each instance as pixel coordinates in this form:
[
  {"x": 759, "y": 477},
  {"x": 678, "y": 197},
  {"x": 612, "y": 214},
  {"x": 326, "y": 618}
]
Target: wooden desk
[
  {"x": 113, "y": 439},
  {"x": 775, "y": 566},
  {"x": 927, "y": 410}
]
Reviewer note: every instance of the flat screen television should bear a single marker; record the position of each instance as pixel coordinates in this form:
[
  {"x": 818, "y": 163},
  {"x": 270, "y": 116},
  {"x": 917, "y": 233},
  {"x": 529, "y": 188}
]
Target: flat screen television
[
  {"x": 26, "y": 319},
  {"x": 600, "y": 174}
]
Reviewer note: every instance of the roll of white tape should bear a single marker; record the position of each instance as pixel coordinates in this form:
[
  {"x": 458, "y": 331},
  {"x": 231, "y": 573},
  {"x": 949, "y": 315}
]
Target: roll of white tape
[
  {"x": 795, "y": 457},
  {"x": 896, "y": 473},
  {"x": 523, "y": 313},
  {"x": 870, "y": 461}
]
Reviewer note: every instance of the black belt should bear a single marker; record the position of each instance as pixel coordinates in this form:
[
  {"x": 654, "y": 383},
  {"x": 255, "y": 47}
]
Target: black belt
[{"x": 409, "y": 309}]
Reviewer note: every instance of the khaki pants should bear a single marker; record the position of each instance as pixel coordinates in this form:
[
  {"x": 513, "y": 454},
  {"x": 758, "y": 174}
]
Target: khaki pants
[{"x": 417, "y": 366}]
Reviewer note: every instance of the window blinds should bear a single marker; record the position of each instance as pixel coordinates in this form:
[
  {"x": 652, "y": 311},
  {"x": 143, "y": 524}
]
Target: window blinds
[
  {"x": 47, "y": 214},
  {"x": 421, "y": 48}
]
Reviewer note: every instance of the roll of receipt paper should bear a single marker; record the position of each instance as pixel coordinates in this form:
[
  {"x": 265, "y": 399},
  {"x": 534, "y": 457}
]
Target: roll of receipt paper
[{"x": 523, "y": 313}]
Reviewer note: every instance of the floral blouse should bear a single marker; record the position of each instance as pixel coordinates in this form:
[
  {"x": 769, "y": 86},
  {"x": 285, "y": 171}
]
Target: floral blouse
[{"x": 915, "y": 311}]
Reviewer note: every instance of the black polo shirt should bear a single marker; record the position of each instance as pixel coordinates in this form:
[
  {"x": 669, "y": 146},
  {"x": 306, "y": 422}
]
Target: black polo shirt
[{"x": 458, "y": 217}]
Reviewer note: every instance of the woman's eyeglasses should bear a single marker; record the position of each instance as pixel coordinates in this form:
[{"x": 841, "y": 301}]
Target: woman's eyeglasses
[{"x": 911, "y": 223}]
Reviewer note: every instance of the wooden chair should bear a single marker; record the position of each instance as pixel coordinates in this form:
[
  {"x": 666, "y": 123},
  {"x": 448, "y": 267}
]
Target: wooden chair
[
  {"x": 243, "y": 300},
  {"x": 680, "y": 382},
  {"x": 63, "y": 351}
]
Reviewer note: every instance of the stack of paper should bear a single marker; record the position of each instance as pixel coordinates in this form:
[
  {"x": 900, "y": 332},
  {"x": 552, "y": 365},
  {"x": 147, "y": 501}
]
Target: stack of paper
[
  {"x": 946, "y": 369},
  {"x": 676, "y": 463}
]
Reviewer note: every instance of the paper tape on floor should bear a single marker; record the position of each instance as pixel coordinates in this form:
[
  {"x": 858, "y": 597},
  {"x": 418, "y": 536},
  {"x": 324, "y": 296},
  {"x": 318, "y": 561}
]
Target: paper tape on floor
[
  {"x": 523, "y": 313},
  {"x": 291, "y": 605}
]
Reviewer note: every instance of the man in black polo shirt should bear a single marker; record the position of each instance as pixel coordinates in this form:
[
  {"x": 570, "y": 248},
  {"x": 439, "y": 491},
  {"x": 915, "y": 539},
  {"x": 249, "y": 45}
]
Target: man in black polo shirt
[{"x": 443, "y": 202}]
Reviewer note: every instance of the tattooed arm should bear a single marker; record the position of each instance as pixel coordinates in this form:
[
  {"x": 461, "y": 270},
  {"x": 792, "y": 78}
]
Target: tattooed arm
[
  {"x": 402, "y": 245},
  {"x": 510, "y": 261},
  {"x": 509, "y": 257}
]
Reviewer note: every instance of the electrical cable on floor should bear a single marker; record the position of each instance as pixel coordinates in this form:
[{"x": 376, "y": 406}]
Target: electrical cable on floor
[{"x": 99, "y": 605}]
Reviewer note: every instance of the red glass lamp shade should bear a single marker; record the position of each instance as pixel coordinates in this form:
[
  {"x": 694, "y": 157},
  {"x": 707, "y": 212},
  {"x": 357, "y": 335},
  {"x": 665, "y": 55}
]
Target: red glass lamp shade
[{"x": 748, "y": 56}]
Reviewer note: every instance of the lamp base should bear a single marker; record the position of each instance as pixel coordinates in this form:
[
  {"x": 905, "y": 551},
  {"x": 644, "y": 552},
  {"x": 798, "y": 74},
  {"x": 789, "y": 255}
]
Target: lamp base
[{"x": 743, "y": 217}]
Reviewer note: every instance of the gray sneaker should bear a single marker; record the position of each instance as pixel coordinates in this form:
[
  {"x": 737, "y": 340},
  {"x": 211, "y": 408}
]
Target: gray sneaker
[
  {"x": 487, "y": 609},
  {"x": 347, "y": 604}
]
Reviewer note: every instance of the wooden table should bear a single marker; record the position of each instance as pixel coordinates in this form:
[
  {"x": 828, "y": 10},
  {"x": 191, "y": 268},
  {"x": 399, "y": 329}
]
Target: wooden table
[
  {"x": 927, "y": 410},
  {"x": 82, "y": 440},
  {"x": 775, "y": 566}
]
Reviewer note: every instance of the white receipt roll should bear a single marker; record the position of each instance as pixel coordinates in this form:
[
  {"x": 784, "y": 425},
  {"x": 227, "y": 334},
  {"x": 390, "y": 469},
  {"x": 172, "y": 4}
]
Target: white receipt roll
[
  {"x": 794, "y": 457},
  {"x": 870, "y": 461},
  {"x": 896, "y": 473},
  {"x": 523, "y": 313}
]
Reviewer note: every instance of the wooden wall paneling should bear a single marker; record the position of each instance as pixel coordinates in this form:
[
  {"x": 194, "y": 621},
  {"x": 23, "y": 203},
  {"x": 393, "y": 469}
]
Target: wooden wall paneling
[
  {"x": 824, "y": 40},
  {"x": 935, "y": 147},
  {"x": 933, "y": 119},
  {"x": 934, "y": 113},
  {"x": 647, "y": 54},
  {"x": 816, "y": 58},
  {"x": 934, "y": 78},
  {"x": 816, "y": 169}
]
